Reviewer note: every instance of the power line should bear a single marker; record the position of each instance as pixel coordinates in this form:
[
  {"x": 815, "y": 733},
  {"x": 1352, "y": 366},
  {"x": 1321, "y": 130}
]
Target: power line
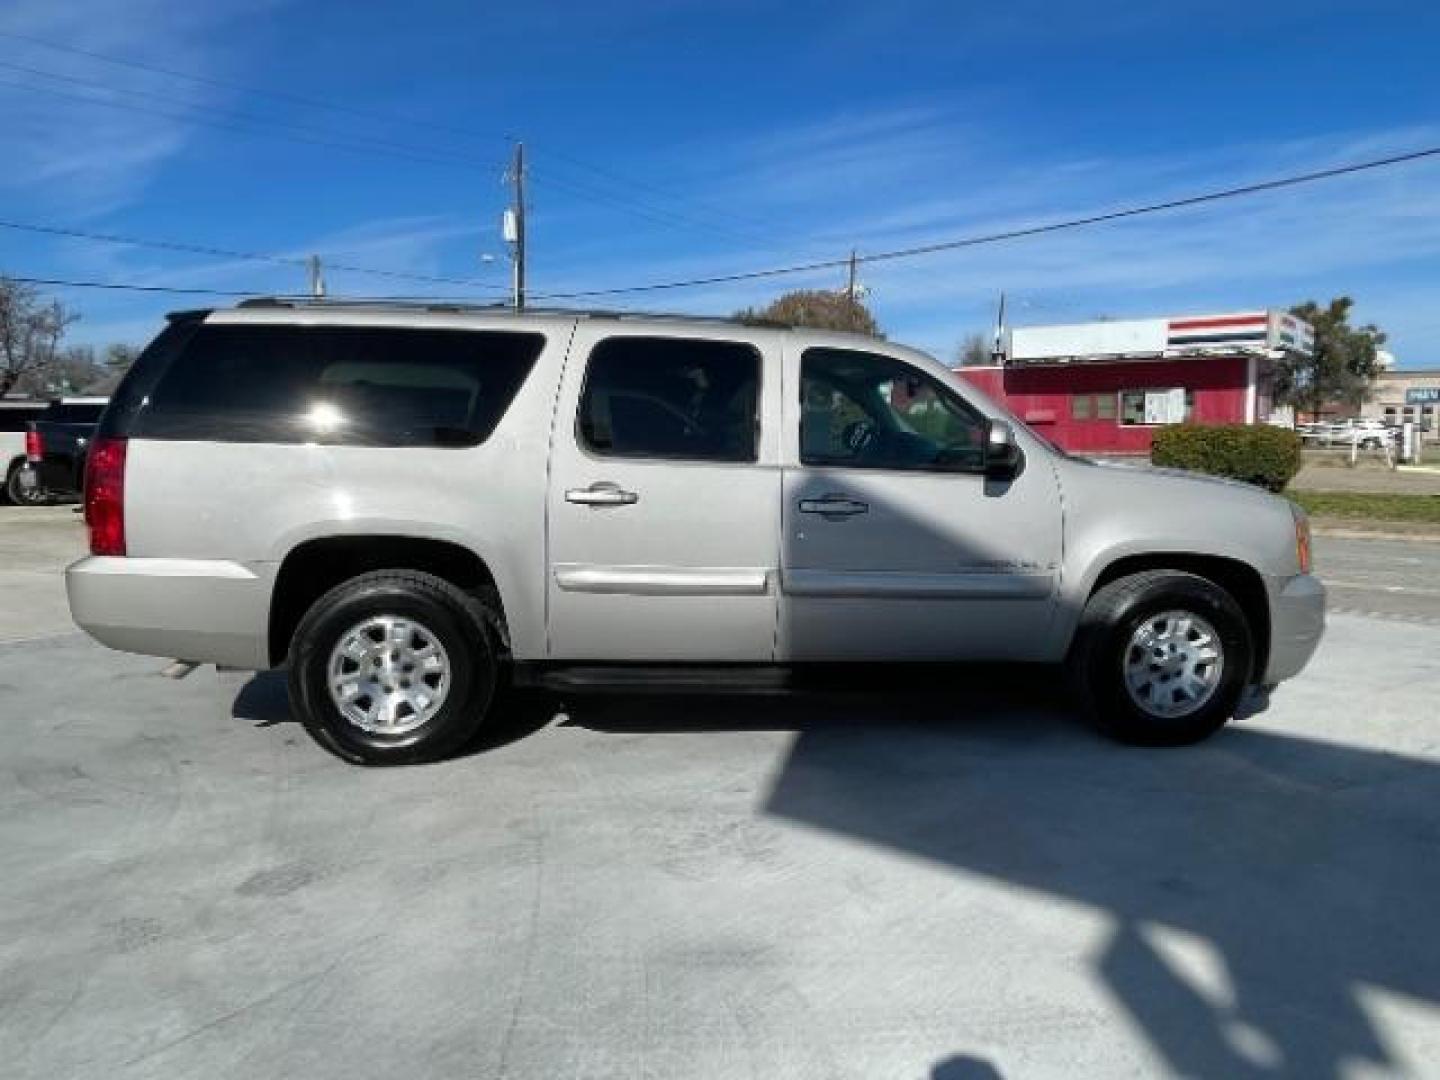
[
  {"x": 162, "y": 245},
  {"x": 126, "y": 286},
  {"x": 246, "y": 123},
  {"x": 899, "y": 253},
  {"x": 257, "y": 91},
  {"x": 424, "y": 153},
  {"x": 250, "y": 256},
  {"x": 258, "y": 125},
  {"x": 367, "y": 114},
  {"x": 1014, "y": 234},
  {"x": 714, "y": 213},
  {"x": 650, "y": 213}
]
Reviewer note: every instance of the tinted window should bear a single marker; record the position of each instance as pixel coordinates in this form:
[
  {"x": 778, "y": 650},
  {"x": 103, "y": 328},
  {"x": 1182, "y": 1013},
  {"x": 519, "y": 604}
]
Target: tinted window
[
  {"x": 15, "y": 417},
  {"x": 870, "y": 411},
  {"x": 671, "y": 398},
  {"x": 357, "y": 386},
  {"x": 63, "y": 412}
]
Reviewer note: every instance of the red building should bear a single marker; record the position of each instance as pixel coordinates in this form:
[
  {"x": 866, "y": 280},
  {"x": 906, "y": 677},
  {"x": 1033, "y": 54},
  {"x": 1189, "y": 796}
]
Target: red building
[{"x": 1105, "y": 387}]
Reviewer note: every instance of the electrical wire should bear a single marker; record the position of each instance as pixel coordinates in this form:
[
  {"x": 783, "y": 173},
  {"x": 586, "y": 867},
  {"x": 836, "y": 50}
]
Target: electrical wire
[
  {"x": 125, "y": 286},
  {"x": 1013, "y": 234},
  {"x": 255, "y": 124},
  {"x": 895, "y": 254},
  {"x": 621, "y": 201},
  {"x": 251, "y": 256},
  {"x": 181, "y": 290}
]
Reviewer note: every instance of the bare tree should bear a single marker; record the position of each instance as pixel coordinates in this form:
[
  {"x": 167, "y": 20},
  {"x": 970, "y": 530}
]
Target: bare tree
[
  {"x": 72, "y": 370},
  {"x": 974, "y": 351},
  {"x": 30, "y": 332},
  {"x": 119, "y": 356}
]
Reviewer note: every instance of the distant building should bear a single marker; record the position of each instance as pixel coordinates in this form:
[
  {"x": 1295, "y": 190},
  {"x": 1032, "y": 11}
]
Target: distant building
[
  {"x": 1407, "y": 394},
  {"x": 1104, "y": 387}
]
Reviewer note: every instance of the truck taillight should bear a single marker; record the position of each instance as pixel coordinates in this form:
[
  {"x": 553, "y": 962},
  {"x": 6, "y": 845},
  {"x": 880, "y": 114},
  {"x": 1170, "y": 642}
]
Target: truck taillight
[
  {"x": 105, "y": 496},
  {"x": 34, "y": 445},
  {"x": 1303, "y": 554}
]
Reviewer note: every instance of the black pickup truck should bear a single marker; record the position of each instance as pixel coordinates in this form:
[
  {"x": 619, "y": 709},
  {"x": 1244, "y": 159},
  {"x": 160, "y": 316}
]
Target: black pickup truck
[{"x": 56, "y": 445}]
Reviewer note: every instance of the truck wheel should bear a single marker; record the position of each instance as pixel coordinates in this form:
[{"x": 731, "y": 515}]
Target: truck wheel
[
  {"x": 23, "y": 496},
  {"x": 1162, "y": 658},
  {"x": 393, "y": 667}
]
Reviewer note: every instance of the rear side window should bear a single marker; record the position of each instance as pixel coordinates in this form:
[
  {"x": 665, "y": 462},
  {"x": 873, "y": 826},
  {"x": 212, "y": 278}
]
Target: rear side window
[
  {"x": 354, "y": 386},
  {"x": 681, "y": 398}
]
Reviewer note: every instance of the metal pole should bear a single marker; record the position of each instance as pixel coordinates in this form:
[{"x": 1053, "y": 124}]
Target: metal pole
[
  {"x": 850, "y": 287},
  {"x": 997, "y": 351},
  {"x": 517, "y": 178}
]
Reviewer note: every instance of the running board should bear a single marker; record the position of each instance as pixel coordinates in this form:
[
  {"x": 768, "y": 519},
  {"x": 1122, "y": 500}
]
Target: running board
[{"x": 655, "y": 679}]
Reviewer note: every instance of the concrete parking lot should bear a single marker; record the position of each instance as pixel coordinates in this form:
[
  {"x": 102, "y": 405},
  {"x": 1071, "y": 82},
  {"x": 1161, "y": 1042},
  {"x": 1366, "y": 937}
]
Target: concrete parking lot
[{"x": 956, "y": 882}]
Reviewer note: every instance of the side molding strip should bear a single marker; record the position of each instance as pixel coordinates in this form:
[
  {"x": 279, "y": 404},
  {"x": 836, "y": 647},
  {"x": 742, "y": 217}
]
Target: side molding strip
[
  {"x": 663, "y": 580},
  {"x": 884, "y": 585}
]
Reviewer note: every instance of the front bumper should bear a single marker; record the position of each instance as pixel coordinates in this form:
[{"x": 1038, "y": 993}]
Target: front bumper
[
  {"x": 1297, "y": 622},
  {"x": 214, "y": 612}
]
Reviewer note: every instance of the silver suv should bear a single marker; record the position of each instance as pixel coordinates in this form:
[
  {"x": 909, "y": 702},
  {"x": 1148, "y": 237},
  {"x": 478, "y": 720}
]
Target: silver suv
[{"x": 415, "y": 507}]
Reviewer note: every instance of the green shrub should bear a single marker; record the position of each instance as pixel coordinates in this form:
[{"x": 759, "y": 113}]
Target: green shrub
[{"x": 1258, "y": 454}]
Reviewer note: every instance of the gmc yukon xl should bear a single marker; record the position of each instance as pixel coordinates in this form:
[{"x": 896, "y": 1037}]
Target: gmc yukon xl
[{"x": 412, "y": 506}]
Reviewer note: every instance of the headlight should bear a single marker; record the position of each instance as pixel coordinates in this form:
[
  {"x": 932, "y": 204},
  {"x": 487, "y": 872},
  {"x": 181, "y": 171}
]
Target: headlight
[{"x": 1302, "y": 538}]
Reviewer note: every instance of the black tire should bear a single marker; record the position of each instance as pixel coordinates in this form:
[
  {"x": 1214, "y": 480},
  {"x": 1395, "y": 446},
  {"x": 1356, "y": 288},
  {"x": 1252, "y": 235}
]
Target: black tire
[
  {"x": 460, "y": 622},
  {"x": 1103, "y": 641},
  {"x": 20, "y": 496}
]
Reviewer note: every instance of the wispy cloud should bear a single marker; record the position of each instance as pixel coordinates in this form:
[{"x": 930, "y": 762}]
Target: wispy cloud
[
  {"x": 905, "y": 177},
  {"x": 66, "y": 145}
]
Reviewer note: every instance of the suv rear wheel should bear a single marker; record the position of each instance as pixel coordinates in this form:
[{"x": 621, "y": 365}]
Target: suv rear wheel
[
  {"x": 1162, "y": 658},
  {"x": 21, "y": 495},
  {"x": 393, "y": 667}
]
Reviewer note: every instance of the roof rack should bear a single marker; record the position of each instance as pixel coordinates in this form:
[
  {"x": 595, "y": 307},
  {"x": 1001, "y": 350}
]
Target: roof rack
[{"x": 492, "y": 308}]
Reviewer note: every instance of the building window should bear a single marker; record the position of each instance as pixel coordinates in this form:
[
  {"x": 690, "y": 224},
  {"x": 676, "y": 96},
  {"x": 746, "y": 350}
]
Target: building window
[
  {"x": 1152, "y": 407},
  {"x": 1389, "y": 412},
  {"x": 1104, "y": 406},
  {"x": 1079, "y": 406}
]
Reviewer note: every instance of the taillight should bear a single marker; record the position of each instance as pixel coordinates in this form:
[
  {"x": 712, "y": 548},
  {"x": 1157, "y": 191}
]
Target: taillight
[
  {"x": 1303, "y": 554},
  {"x": 105, "y": 496},
  {"x": 34, "y": 445}
]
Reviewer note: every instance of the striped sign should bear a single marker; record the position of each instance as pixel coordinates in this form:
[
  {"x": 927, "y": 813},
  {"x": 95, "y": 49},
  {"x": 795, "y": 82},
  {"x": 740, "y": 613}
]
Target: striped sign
[
  {"x": 1294, "y": 335},
  {"x": 1248, "y": 328}
]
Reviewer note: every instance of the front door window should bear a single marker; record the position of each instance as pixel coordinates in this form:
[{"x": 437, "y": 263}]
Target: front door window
[{"x": 863, "y": 410}]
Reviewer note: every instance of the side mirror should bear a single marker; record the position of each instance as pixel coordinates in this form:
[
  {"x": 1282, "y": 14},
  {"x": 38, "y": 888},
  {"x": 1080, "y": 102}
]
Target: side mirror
[{"x": 1002, "y": 452}]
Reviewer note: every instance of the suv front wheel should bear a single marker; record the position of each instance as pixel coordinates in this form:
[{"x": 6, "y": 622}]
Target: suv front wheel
[
  {"x": 393, "y": 667},
  {"x": 1162, "y": 658}
]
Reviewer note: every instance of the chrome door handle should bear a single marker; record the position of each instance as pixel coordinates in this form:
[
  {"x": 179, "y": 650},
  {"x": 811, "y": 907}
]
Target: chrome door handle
[
  {"x": 603, "y": 493},
  {"x": 834, "y": 506}
]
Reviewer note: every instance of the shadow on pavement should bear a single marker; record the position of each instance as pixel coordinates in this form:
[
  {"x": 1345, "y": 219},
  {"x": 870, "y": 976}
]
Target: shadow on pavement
[
  {"x": 1309, "y": 869},
  {"x": 964, "y": 1067}
]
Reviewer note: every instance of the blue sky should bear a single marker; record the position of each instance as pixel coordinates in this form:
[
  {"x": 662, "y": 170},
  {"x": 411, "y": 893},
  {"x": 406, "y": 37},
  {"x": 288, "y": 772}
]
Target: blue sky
[{"x": 679, "y": 139}]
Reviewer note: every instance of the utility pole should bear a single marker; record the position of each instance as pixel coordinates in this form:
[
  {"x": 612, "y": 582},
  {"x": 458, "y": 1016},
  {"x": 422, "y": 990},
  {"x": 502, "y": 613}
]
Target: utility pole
[
  {"x": 515, "y": 224},
  {"x": 997, "y": 353},
  {"x": 317, "y": 277},
  {"x": 850, "y": 287}
]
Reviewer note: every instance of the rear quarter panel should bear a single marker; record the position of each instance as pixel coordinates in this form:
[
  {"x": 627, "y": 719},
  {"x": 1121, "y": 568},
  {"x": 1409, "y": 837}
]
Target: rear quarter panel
[{"x": 253, "y": 503}]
